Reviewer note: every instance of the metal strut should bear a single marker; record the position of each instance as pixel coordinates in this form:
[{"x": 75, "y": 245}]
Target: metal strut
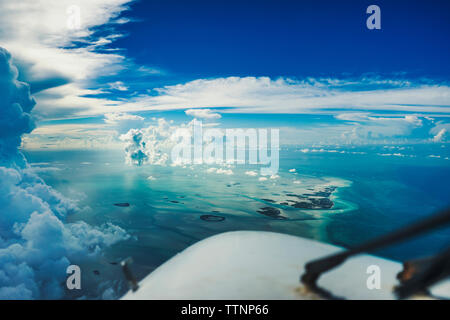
[
  {"x": 315, "y": 268},
  {"x": 125, "y": 264}
]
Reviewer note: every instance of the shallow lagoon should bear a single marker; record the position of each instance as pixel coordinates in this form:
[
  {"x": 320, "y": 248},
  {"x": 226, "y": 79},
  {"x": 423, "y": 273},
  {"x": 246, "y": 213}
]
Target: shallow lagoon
[{"x": 374, "y": 194}]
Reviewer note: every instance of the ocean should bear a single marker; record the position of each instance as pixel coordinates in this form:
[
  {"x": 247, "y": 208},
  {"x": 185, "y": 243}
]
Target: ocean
[{"x": 339, "y": 195}]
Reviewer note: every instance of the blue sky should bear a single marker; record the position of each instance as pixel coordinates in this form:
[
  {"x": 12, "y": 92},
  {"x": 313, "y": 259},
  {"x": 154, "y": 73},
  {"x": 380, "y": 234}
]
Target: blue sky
[
  {"x": 289, "y": 38},
  {"x": 307, "y": 67}
]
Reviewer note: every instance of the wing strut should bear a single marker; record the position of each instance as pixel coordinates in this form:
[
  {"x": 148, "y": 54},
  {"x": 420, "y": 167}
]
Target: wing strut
[{"x": 314, "y": 269}]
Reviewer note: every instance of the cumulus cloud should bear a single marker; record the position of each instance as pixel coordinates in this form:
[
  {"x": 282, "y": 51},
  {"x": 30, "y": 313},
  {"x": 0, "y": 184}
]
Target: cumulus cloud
[
  {"x": 369, "y": 127},
  {"x": 62, "y": 63},
  {"x": 184, "y": 144},
  {"x": 15, "y": 107},
  {"x": 36, "y": 246},
  {"x": 149, "y": 145},
  {"x": 154, "y": 144},
  {"x": 227, "y": 172},
  {"x": 251, "y": 173},
  {"x": 203, "y": 114}
]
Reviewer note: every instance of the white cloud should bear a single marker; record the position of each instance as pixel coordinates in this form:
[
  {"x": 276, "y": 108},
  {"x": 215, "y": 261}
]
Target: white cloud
[
  {"x": 203, "y": 113},
  {"x": 251, "y": 173},
  {"x": 264, "y": 95},
  {"x": 224, "y": 171},
  {"x": 36, "y": 33},
  {"x": 155, "y": 143},
  {"x": 220, "y": 171},
  {"x": 36, "y": 245},
  {"x": 115, "y": 117},
  {"x": 149, "y": 145},
  {"x": 122, "y": 122},
  {"x": 366, "y": 117},
  {"x": 73, "y": 137},
  {"x": 284, "y": 95},
  {"x": 369, "y": 127},
  {"x": 118, "y": 85}
]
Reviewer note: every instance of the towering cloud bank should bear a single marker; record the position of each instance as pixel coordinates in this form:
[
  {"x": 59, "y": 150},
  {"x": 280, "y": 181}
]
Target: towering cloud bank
[
  {"x": 149, "y": 145},
  {"x": 15, "y": 107},
  {"x": 36, "y": 246}
]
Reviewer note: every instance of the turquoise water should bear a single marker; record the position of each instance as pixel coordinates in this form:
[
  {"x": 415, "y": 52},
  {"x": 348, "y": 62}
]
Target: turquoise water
[{"x": 374, "y": 194}]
